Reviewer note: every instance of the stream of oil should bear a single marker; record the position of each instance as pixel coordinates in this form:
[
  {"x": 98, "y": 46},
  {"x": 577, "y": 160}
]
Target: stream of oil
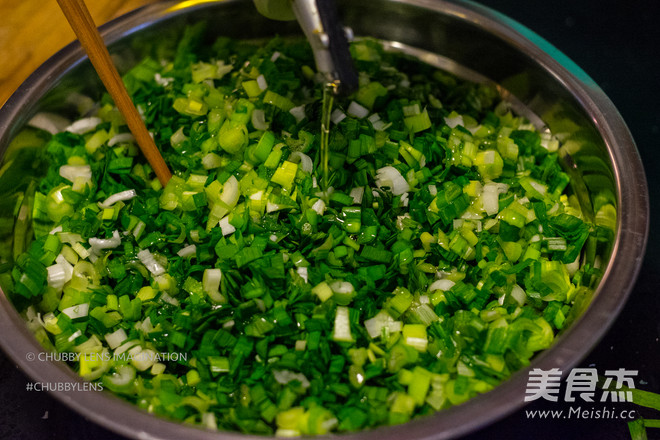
[{"x": 329, "y": 90}]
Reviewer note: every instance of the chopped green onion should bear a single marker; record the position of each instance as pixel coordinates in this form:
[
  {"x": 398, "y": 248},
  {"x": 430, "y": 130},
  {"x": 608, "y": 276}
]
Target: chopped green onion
[{"x": 434, "y": 257}]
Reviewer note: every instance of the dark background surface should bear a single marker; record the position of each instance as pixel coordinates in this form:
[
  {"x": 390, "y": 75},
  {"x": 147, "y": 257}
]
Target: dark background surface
[{"x": 617, "y": 44}]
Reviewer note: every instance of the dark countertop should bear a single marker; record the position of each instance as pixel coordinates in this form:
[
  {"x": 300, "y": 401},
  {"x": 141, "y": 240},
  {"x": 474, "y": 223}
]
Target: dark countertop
[{"x": 616, "y": 43}]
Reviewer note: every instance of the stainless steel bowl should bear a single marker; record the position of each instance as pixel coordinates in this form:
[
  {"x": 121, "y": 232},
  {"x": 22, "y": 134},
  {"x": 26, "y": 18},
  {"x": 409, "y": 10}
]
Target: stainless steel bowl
[{"x": 463, "y": 37}]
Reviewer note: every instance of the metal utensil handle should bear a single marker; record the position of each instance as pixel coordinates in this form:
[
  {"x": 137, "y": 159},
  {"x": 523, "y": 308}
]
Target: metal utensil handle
[
  {"x": 338, "y": 46},
  {"x": 320, "y": 21}
]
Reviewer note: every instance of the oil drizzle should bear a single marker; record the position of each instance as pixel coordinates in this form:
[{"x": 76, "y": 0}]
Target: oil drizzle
[{"x": 329, "y": 91}]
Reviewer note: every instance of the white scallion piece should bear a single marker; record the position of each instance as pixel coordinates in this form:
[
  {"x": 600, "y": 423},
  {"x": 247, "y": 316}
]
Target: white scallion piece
[
  {"x": 163, "y": 81},
  {"x": 342, "y": 287},
  {"x": 456, "y": 120},
  {"x": 357, "y": 193},
  {"x": 157, "y": 368},
  {"x": 143, "y": 359},
  {"x": 337, "y": 116},
  {"x": 549, "y": 142},
  {"x": 168, "y": 299},
  {"x": 84, "y": 125},
  {"x": 261, "y": 82},
  {"x": 382, "y": 321},
  {"x": 209, "y": 421},
  {"x": 105, "y": 243},
  {"x": 542, "y": 189},
  {"x": 71, "y": 172},
  {"x": 404, "y": 199},
  {"x": 120, "y": 196},
  {"x": 211, "y": 161},
  {"x": 401, "y": 221},
  {"x": 490, "y": 200},
  {"x": 272, "y": 207},
  {"x": 298, "y": 113},
  {"x": 518, "y": 294},
  {"x": 319, "y": 206},
  {"x": 259, "y": 119},
  {"x": 357, "y": 111},
  {"x": 391, "y": 177},
  {"x": 146, "y": 326},
  {"x": 231, "y": 191},
  {"x": 125, "y": 346},
  {"x": 120, "y": 138},
  {"x": 59, "y": 273},
  {"x": 420, "y": 344},
  {"x": 149, "y": 261},
  {"x": 187, "y": 251},
  {"x": 77, "y": 311},
  {"x": 56, "y": 276},
  {"x": 177, "y": 138},
  {"x": 411, "y": 110},
  {"x": 223, "y": 69},
  {"x": 381, "y": 125},
  {"x": 227, "y": 228},
  {"x": 75, "y": 335},
  {"x": 305, "y": 161},
  {"x": 424, "y": 313},
  {"x": 442, "y": 284},
  {"x": 50, "y": 122},
  {"x": 302, "y": 272},
  {"x": 286, "y": 376},
  {"x": 116, "y": 338},
  {"x": 342, "y": 328},
  {"x": 211, "y": 284}
]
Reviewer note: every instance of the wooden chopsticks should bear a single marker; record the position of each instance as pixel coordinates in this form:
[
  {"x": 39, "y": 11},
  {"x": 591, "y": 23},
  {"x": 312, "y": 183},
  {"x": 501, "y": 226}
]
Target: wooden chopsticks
[{"x": 81, "y": 22}]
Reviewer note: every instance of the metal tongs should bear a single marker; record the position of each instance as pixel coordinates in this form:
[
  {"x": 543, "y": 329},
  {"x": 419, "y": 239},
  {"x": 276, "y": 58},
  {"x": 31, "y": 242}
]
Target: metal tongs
[{"x": 319, "y": 20}]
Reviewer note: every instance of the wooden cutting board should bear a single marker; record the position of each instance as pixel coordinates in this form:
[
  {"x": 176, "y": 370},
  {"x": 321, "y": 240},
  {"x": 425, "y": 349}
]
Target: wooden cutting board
[{"x": 33, "y": 30}]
